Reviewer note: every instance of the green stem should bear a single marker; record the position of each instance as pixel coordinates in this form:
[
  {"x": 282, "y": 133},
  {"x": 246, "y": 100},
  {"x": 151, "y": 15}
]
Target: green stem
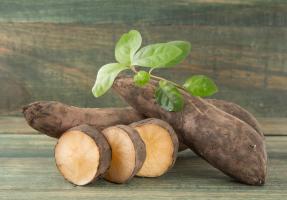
[
  {"x": 163, "y": 79},
  {"x": 171, "y": 82},
  {"x": 133, "y": 69}
]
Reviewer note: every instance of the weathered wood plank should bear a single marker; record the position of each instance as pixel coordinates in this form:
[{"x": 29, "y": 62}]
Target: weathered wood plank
[
  {"x": 28, "y": 172},
  {"x": 204, "y": 12},
  {"x": 138, "y": 193},
  {"x": 274, "y": 126},
  {"x": 60, "y": 66},
  {"x": 51, "y": 50},
  {"x": 15, "y": 125},
  {"x": 18, "y": 125}
]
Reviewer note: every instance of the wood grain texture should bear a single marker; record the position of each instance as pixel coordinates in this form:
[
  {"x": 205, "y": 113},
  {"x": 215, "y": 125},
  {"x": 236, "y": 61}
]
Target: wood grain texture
[
  {"x": 28, "y": 172},
  {"x": 15, "y": 125},
  {"x": 51, "y": 50}
]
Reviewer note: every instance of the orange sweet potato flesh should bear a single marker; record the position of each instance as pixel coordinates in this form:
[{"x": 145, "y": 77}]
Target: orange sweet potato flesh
[
  {"x": 128, "y": 153},
  {"x": 161, "y": 146},
  {"x": 82, "y": 162},
  {"x": 226, "y": 142}
]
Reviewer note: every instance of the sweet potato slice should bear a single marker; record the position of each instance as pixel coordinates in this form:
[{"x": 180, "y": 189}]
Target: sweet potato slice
[
  {"x": 128, "y": 153},
  {"x": 82, "y": 154},
  {"x": 161, "y": 146}
]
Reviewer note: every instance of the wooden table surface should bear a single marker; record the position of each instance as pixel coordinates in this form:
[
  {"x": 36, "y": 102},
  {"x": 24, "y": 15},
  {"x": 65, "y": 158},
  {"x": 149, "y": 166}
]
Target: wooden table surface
[
  {"x": 28, "y": 171},
  {"x": 52, "y": 50}
]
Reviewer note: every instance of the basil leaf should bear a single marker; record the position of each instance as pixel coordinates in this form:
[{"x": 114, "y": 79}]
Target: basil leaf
[
  {"x": 168, "y": 97},
  {"x": 127, "y": 46},
  {"x": 105, "y": 78},
  {"x": 156, "y": 55},
  {"x": 185, "y": 48},
  {"x": 141, "y": 78},
  {"x": 200, "y": 85}
]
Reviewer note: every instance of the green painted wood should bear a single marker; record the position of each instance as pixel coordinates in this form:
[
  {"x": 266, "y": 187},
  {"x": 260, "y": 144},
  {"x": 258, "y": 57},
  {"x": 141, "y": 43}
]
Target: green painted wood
[
  {"x": 15, "y": 125},
  {"x": 27, "y": 171},
  {"x": 147, "y": 11},
  {"x": 18, "y": 125},
  {"x": 51, "y": 50}
]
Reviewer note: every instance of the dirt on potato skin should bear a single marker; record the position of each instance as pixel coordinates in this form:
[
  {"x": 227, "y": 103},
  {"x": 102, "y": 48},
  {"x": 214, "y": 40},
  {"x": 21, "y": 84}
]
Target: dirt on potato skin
[
  {"x": 226, "y": 142},
  {"x": 54, "y": 118},
  {"x": 237, "y": 111}
]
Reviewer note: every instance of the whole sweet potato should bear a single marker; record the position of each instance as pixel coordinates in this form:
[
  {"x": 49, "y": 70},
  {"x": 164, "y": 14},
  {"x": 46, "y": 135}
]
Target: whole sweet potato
[
  {"x": 54, "y": 118},
  {"x": 226, "y": 142}
]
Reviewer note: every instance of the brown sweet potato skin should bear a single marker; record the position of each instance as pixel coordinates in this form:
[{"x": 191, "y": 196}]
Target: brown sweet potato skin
[
  {"x": 226, "y": 142},
  {"x": 54, "y": 118},
  {"x": 139, "y": 147},
  {"x": 237, "y": 111}
]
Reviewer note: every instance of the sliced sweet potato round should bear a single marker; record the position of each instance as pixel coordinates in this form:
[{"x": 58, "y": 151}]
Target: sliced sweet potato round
[
  {"x": 161, "y": 146},
  {"x": 82, "y": 154},
  {"x": 128, "y": 153}
]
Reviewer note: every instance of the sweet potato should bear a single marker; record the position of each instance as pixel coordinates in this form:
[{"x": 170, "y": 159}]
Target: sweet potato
[
  {"x": 237, "y": 111},
  {"x": 225, "y": 141},
  {"x": 82, "y": 162},
  {"x": 54, "y": 118},
  {"x": 128, "y": 153},
  {"x": 161, "y": 146}
]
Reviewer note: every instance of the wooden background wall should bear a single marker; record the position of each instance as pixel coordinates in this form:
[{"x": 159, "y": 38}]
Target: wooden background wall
[{"x": 52, "y": 49}]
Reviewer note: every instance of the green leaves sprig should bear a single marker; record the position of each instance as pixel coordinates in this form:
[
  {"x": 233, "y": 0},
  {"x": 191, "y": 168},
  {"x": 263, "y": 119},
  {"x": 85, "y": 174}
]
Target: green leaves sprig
[{"x": 128, "y": 54}]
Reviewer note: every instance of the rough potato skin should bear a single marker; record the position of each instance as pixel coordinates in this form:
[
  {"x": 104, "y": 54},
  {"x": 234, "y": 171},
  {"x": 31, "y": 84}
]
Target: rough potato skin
[
  {"x": 237, "y": 111},
  {"x": 169, "y": 129},
  {"x": 232, "y": 109},
  {"x": 103, "y": 146},
  {"x": 54, "y": 118},
  {"x": 227, "y": 143},
  {"x": 139, "y": 147}
]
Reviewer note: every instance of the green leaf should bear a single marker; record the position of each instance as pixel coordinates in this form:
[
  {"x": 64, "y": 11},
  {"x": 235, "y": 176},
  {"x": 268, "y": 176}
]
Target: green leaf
[
  {"x": 156, "y": 55},
  {"x": 168, "y": 97},
  {"x": 106, "y": 76},
  {"x": 200, "y": 85},
  {"x": 127, "y": 46},
  {"x": 141, "y": 78},
  {"x": 185, "y": 48}
]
